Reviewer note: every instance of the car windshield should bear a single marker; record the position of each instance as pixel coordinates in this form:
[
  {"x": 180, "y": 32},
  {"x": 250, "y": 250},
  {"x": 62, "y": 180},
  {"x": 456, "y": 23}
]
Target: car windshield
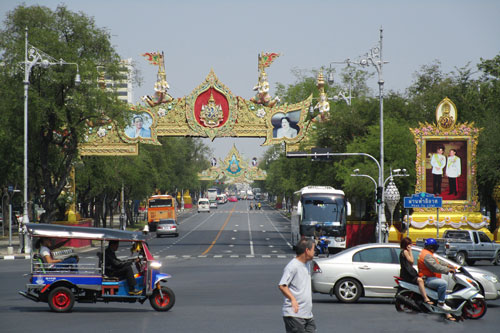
[
  {"x": 323, "y": 208},
  {"x": 167, "y": 222}
]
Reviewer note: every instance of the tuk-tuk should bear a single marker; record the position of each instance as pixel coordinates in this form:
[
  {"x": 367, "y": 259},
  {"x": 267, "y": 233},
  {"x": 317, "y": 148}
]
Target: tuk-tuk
[{"x": 61, "y": 285}]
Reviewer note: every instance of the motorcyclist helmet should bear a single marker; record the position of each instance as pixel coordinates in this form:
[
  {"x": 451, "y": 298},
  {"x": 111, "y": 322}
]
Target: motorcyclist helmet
[{"x": 431, "y": 243}]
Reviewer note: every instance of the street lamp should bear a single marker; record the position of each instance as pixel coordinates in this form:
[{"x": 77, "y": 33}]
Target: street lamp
[
  {"x": 34, "y": 57},
  {"x": 374, "y": 57},
  {"x": 341, "y": 94}
]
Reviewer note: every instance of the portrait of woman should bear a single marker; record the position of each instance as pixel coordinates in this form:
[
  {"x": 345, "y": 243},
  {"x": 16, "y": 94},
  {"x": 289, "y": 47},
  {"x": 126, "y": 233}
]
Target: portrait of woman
[
  {"x": 286, "y": 131},
  {"x": 138, "y": 127}
]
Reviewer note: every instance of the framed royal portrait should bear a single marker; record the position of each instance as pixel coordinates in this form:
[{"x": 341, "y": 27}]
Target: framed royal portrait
[
  {"x": 287, "y": 123},
  {"x": 141, "y": 127},
  {"x": 446, "y": 168},
  {"x": 446, "y": 164}
]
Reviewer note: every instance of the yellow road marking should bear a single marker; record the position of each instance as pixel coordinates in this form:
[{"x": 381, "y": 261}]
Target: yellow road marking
[{"x": 219, "y": 233}]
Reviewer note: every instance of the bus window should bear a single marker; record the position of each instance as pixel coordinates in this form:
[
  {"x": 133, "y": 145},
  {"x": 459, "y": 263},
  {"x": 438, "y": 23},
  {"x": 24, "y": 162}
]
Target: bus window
[
  {"x": 157, "y": 203},
  {"x": 320, "y": 208}
]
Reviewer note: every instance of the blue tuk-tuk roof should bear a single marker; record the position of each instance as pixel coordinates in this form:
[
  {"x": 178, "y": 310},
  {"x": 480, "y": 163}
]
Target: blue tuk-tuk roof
[{"x": 63, "y": 231}]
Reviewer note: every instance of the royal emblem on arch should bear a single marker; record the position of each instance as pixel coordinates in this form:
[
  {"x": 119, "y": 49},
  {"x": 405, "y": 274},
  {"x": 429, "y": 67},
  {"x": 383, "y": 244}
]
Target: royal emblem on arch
[{"x": 211, "y": 114}]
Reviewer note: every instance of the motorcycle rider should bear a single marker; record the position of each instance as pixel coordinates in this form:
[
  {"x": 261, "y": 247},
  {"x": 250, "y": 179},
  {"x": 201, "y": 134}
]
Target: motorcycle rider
[
  {"x": 259, "y": 205},
  {"x": 430, "y": 269}
]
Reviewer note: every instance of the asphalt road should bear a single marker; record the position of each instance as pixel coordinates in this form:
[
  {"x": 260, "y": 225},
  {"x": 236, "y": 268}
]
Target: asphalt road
[{"x": 225, "y": 267}]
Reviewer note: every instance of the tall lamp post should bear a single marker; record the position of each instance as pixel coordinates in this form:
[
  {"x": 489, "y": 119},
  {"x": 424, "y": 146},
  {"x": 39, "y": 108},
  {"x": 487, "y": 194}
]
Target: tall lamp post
[
  {"x": 374, "y": 57},
  {"x": 34, "y": 57}
]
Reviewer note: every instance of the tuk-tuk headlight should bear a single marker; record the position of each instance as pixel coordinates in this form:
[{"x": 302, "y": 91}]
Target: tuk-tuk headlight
[{"x": 155, "y": 264}]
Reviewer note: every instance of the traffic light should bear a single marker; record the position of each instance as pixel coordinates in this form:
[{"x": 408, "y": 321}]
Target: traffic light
[{"x": 379, "y": 195}]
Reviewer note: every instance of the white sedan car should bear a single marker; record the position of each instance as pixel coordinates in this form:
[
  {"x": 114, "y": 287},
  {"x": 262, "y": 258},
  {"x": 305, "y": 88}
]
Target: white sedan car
[
  {"x": 368, "y": 270},
  {"x": 203, "y": 205}
]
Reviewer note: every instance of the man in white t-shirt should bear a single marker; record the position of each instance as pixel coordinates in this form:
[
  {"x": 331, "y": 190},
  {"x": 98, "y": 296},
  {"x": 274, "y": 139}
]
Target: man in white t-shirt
[
  {"x": 295, "y": 284},
  {"x": 46, "y": 248}
]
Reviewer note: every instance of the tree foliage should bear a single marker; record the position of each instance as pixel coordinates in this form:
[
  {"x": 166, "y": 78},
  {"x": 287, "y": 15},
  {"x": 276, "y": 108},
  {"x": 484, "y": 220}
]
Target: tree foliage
[{"x": 356, "y": 128}]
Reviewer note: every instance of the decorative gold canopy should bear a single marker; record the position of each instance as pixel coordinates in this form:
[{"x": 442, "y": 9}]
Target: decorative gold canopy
[
  {"x": 211, "y": 110},
  {"x": 233, "y": 169}
]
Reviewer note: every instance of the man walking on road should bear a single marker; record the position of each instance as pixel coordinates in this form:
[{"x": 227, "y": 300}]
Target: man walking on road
[{"x": 295, "y": 284}]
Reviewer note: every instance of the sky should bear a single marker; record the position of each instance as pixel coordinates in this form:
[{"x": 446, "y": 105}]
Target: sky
[{"x": 227, "y": 35}]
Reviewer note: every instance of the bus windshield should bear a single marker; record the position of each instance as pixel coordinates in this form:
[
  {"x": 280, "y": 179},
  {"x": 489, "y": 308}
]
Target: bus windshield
[
  {"x": 323, "y": 208},
  {"x": 157, "y": 203}
]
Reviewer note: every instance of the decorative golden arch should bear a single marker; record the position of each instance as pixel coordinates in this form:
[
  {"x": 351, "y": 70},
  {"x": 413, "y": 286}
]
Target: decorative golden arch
[
  {"x": 233, "y": 169},
  {"x": 211, "y": 110}
]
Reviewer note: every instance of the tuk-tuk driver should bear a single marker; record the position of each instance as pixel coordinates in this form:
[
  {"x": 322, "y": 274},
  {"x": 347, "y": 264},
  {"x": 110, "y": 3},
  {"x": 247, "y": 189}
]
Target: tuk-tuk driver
[{"x": 119, "y": 268}]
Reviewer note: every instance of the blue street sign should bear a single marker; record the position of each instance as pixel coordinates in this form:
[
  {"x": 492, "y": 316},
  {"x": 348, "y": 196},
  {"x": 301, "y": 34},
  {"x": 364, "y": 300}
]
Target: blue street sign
[{"x": 423, "y": 200}]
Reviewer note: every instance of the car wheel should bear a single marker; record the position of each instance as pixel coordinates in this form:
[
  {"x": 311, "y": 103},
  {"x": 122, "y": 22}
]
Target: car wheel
[
  {"x": 164, "y": 301},
  {"x": 176, "y": 235},
  {"x": 470, "y": 262},
  {"x": 348, "y": 290},
  {"x": 61, "y": 299},
  {"x": 461, "y": 258},
  {"x": 158, "y": 236},
  {"x": 496, "y": 261}
]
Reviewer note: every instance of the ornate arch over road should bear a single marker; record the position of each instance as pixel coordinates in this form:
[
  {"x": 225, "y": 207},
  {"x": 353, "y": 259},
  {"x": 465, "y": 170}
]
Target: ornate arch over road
[
  {"x": 211, "y": 110},
  {"x": 233, "y": 169}
]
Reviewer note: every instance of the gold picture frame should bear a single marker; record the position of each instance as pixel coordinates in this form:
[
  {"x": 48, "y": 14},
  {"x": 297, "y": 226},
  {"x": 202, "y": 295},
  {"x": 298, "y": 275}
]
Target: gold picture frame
[{"x": 463, "y": 138}]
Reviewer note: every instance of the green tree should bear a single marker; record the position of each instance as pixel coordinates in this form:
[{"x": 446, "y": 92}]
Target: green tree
[{"x": 58, "y": 110}]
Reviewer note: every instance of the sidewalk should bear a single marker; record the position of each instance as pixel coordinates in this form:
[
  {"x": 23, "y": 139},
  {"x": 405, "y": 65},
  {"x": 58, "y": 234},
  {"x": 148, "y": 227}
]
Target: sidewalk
[{"x": 4, "y": 241}]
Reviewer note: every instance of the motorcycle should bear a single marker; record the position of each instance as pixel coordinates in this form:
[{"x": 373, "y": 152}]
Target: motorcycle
[
  {"x": 322, "y": 246},
  {"x": 465, "y": 300}
]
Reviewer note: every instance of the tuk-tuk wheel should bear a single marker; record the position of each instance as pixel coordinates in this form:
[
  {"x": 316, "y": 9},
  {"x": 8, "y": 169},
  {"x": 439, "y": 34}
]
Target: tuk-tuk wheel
[
  {"x": 164, "y": 303},
  {"x": 61, "y": 299}
]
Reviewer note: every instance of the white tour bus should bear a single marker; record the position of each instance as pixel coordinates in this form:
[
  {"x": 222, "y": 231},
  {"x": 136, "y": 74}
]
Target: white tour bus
[{"x": 321, "y": 205}]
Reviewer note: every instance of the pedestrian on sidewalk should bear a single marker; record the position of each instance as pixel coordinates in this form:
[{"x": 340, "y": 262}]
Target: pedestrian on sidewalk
[{"x": 295, "y": 284}]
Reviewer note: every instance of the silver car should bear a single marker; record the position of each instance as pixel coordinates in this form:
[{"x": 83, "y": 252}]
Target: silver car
[
  {"x": 167, "y": 227},
  {"x": 368, "y": 270}
]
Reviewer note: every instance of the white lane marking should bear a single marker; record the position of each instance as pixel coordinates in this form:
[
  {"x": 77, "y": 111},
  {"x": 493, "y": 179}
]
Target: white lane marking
[
  {"x": 235, "y": 230},
  {"x": 250, "y": 235},
  {"x": 271, "y": 245},
  {"x": 187, "y": 234},
  {"x": 233, "y": 238},
  {"x": 236, "y": 225},
  {"x": 287, "y": 243}
]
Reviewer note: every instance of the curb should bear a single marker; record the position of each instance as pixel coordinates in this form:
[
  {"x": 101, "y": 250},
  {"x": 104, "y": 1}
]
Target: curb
[{"x": 15, "y": 256}]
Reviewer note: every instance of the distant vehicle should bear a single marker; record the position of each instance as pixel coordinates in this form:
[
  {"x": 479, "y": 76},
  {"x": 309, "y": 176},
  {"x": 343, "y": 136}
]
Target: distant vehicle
[
  {"x": 321, "y": 205},
  {"x": 160, "y": 207},
  {"x": 212, "y": 194},
  {"x": 167, "y": 227},
  {"x": 368, "y": 270},
  {"x": 233, "y": 198},
  {"x": 220, "y": 200},
  {"x": 213, "y": 204},
  {"x": 467, "y": 246},
  {"x": 203, "y": 205}
]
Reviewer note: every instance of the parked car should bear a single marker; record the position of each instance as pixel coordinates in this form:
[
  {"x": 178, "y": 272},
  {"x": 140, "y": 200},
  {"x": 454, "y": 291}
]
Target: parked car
[
  {"x": 233, "y": 198},
  {"x": 368, "y": 270},
  {"x": 167, "y": 227},
  {"x": 203, "y": 205}
]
